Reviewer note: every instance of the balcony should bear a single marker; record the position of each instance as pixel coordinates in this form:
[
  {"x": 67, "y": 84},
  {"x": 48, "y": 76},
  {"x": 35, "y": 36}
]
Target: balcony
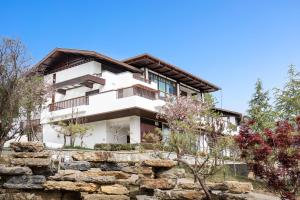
[
  {"x": 70, "y": 103},
  {"x": 138, "y": 90},
  {"x": 141, "y": 78}
]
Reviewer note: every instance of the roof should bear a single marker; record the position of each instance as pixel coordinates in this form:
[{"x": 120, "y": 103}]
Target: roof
[
  {"x": 169, "y": 70},
  {"x": 60, "y": 53},
  {"x": 229, "y": 113}
]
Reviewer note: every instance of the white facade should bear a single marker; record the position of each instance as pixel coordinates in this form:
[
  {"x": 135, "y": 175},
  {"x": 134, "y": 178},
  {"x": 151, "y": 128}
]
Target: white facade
[
  {"x": 106, "y": 101},
  {"x": 102, "y": 108}
]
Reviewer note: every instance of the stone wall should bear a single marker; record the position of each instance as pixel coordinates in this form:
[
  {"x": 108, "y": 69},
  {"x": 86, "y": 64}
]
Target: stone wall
[{"x": 97, "y": 175}]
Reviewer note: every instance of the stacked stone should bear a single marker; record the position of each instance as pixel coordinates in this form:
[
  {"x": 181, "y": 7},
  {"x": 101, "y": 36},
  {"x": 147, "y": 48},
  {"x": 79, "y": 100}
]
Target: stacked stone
[
  {"x": 28, "y": 157},
  {"x": 100, "y": 176}
]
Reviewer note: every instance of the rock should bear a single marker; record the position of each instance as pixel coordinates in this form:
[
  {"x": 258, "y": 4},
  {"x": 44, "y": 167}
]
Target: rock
[
  {"x": 178, "y": 194},
  {"x": 73, "y": 175},
  {"x": 229, "y": 196},
  {"x": 37, "y": 195},
  {"x": 31, "y": 162},
  {"x": 117, "y": 174},
  {"x": 161, "y": 183},
  {"x": 251, "y": 175},
  {"x": 217, "y": 186},
  {"x": 77, "y": 165},
  {"x": 45, "y": 170},
  {"x": 160, "y": 163},
  {"x": 99, "y": 156},
  {"x": 42, "y": 154},
  {"x": 27, "y": 146},
  {"x": 25, "y": 182},
  {"x": 145, "y": 197},
  {"x": 109, "y": 166},
  {"x": 114, "y": 189},
  {"x": 171, "y": 173},
  {"x": 97, "y": 179},
  {"x": 132, "y": 180},
  {"x": 70, "y": 186},
  {"x": 103, "y": 197},
  {"x": 15, "y": 170},
  {"x": 238, "y": 187},
  {"x": 188, "y": 184},
  {"x": 137, "y": 170}
]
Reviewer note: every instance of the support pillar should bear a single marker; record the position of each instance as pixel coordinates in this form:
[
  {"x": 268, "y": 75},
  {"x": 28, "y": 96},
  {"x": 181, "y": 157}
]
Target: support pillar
[{"x": 135, "y": 129}]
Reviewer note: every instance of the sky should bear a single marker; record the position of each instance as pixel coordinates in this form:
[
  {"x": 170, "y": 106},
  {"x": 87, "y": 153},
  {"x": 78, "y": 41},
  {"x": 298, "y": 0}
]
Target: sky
[{"x": 230, "y": 43}]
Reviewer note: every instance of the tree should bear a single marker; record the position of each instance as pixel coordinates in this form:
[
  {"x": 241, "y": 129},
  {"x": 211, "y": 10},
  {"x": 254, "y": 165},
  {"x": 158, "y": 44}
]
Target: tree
[
  {"x": 73, "y": 128},
  {"x": 34, "y": 95},
  {"x": 274, "y": 155},
  {"x": 260, "y": 109},
  {"x": 288, "y": 99},
  {"x": 189, "y": 119},
  {"x": 15, "y": 79}
]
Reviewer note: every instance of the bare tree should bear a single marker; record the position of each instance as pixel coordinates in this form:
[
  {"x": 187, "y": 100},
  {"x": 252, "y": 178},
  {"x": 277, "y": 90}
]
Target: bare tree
[{"x": 15, "y": 84}]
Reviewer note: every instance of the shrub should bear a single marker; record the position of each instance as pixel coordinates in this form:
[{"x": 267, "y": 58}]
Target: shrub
[{"x": 115, "y": 147}]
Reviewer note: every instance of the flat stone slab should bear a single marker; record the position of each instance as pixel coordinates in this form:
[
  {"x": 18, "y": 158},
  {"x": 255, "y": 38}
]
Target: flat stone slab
[
  {"x": 70, "y": 186},
  {"x": 137, "y": 170},
  {"x": 103, "y": 197},
  {"x": 237, "y": 187},
  {"x": 73, "y": 175},
  {"x": 171, "y": 173},
  {"x": 160, "y": 183},
  {"x": 179, "y": 194},
  {"x": 98, "y": 156},
  {"x": 160, "y": 163},
  {"x": 25, "y": 182},
  {"x": 15, "y": 170},
  {"x": 114, "y": 189},
  {"x": 42, "y": 154},
  {"x": 187, "y": 184},
  {"x": 31, "y": 162},
  {"x": 77, "y": 165},
  {"x": 27, "y": 146}
]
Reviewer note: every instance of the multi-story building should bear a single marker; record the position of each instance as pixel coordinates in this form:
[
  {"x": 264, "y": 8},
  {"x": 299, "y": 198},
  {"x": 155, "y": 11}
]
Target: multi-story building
[{"x": 118, "y": 99}]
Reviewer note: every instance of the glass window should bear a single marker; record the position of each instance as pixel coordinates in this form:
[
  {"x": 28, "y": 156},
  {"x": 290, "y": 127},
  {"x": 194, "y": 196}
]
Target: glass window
[{"x": 165, "y": 86}]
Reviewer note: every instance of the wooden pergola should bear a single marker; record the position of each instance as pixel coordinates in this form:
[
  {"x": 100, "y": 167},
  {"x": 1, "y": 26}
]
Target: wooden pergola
[{"x": 171, "y": 71}]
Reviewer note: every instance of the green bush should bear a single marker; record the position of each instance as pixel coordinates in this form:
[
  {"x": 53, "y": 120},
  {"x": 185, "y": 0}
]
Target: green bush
[
  {"x": 130, "y": 147},
  {"x": 115, "y": 147}
]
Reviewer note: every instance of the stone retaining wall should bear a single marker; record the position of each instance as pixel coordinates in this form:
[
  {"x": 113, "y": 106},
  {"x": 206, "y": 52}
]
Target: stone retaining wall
[{"x": 95, "y": 175}]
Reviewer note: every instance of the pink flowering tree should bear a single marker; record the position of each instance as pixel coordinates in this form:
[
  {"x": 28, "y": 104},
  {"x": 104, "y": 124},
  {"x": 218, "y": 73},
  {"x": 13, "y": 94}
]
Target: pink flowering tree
[
  {"x": 188, "y": 119},
  {"x": 274, "y": 155}
]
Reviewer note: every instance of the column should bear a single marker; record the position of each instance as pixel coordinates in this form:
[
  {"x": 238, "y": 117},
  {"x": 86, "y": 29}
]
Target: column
[{"x": 135, "y": 129}]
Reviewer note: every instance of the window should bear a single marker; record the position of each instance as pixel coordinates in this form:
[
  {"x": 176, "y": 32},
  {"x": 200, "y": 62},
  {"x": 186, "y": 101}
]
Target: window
[{"x": 165, "y": 86}]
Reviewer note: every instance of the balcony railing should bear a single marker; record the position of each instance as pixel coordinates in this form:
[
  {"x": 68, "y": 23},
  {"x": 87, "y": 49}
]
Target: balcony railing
[
  {"x": 70, "y": 103},
  {"x": 137, "y": 90},
  {"x": 141, "y": 78}
]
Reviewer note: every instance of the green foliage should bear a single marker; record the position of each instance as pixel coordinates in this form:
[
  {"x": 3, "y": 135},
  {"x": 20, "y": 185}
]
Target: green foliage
[
  {"x": 115, "y": 147},
  {"x": 288, "y": 98},
  {"x": 260, "y": 109},
  {"x": 73, "y": 128},
  {"x": 154, "y": 136}
]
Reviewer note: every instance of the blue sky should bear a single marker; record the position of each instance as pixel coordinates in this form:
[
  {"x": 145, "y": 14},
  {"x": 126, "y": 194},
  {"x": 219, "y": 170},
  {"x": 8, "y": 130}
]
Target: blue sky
[{"x": 230, "y": 43}]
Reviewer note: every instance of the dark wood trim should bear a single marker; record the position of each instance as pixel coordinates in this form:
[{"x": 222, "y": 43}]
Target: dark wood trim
[{"x": 86, "y": 80}]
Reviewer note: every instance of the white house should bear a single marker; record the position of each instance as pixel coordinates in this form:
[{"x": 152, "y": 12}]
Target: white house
[{"x": 118, "y": 99}]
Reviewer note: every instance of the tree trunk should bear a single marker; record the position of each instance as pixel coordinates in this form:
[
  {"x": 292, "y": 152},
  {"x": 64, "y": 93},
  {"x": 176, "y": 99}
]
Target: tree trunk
[
  {"x": 2, "y": 141},
  {"x": 202, "y": 184},
  {"x": 65, "y": 140}
]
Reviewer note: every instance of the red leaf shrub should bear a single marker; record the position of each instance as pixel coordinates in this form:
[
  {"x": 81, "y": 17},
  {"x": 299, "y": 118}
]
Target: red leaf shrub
[{"x": 274, "y": 155}]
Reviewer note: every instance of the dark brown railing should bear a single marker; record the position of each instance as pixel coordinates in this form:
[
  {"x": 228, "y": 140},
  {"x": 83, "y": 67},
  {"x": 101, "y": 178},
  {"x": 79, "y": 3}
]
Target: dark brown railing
[
  {"x": 141, "y": 78},
  {"x": 70, "y": 103},
  {"x": 137, "y": 90}
]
